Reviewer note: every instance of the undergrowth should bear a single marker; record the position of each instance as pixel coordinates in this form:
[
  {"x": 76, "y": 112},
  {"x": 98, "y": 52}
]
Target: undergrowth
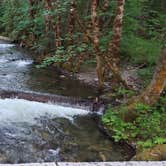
[{"x": 147, "y": 130}]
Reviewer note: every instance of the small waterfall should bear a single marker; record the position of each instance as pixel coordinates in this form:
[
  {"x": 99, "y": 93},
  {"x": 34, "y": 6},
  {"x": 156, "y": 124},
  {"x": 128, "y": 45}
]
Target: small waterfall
[
  {"x": 3, "y": 60},
  {"x": 22, "y": 63},
  {"x": 18, "y": 110},
  {"x": 6, "y": 45}
]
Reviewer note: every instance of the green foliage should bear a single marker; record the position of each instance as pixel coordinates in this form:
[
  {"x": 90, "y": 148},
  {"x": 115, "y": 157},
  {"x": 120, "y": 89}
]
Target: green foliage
[
  {"x": 59, "y": 57},
  {"x": 121, "y": 93},
  {"x": 147, "y": 130},
  {"x": 120, "y": 129},
  {"x": 63, "y": 55},
  {"x": 124, "y": 92},
  {"x": 146, "y": 75},
  {"x": 140, "y": 51},
  {"x": 143, "y": 32}
]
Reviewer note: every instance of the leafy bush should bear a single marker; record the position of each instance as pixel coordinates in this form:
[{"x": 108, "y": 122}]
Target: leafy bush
[
  {"x": 146, "y": 74},
  {"x": 148, "y": 129},
  {"x": 140, "y": 51}
]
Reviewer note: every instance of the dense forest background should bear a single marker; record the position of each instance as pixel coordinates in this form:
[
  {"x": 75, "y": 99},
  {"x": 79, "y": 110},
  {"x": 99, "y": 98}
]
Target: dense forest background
[
  {"x": 107, "y": 35},
  {"x": 143, "y": 27}
]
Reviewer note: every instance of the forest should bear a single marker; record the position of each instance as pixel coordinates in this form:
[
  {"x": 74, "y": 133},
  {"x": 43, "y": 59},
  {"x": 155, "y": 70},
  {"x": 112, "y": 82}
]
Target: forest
[{"x": 117, "y": 47}]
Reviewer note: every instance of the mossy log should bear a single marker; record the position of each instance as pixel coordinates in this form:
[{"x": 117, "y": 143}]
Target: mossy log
[{"x": 55, "y": 99}]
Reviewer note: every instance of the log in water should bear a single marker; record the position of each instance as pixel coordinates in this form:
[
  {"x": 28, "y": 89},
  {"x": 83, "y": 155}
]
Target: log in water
[{"x": 98, "y": 107}]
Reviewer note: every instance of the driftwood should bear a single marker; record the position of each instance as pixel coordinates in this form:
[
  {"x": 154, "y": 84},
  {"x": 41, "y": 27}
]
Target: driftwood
[{"x": 55, "y": 99}]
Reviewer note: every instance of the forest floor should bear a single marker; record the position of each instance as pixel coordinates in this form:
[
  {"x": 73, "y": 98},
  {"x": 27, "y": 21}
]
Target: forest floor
[{"x": 88, "y": 75}]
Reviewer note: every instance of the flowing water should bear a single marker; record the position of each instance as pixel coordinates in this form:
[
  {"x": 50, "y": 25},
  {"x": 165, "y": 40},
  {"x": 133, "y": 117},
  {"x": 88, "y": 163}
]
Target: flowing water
[
  {"x": 38, "y": 132},
  {"x": 17, "y": 71}
]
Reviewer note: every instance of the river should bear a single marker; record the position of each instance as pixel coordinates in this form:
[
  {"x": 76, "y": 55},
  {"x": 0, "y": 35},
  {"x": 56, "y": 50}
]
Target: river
[{"x": 45, "y": 132}]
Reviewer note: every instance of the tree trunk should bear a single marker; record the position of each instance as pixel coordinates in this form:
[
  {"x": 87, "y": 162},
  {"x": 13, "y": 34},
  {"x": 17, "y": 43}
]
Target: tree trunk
[
  {"x": 47, "y": 19},
  {"x": 152, "y": 93},
  {"x": 114, "y": 46},
  {"x": 96, "y": 31},
  {"x": 116, "y": 73},
  {"x": 58, "y": 42},
  {"x": 71, "y": 21},
  {"x": 52, "y": 21},
  {"x": 104, "y": 9},
  {"x": 32, "y": 12},
  {"x": 105, "y": 5}
]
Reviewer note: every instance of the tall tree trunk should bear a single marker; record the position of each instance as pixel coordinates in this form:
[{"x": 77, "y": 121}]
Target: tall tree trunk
[
  {"x": 105, "y": 5},
  {"x": 116, "y": 73},
  {"x": 104, "y": 9},
  {"x": 152, "y": 93},
  {"x": 58, "y": 42},
  {"x": 52, "y": 21},
  {"x": 96, "y": 31},
  {"x": 71, "y": 21},
  {"x": 114, "y": 46},
  {"x": 47, "y": 18},
  {"x": 32, "y": 12},
  {"x": 113, "y": 56}
]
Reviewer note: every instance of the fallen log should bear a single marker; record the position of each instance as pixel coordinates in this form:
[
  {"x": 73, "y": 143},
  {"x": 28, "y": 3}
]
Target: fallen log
[{"x": 54, "y": 99}]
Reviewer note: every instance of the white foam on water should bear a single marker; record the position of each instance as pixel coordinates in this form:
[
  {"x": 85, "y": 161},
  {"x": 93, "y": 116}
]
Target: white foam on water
[
  {"x": 6, "y": 45},
  {"x": 22, "y": 63},
  {"x": 19, "y": 110},
  {"x": 3, "y": 60},
  {"x": 8, "y": 76}
]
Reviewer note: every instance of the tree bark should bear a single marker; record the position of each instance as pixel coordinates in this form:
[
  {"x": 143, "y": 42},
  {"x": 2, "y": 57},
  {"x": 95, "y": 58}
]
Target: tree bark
[
  {"x": 96, "y": 31},
  {"x": 71, "y": 21},
  {"x": 58, "y": 42},
  {"x": 113, "y": 56},
  {"x": 52, "y": 21},
  {"x": 32, "y": 12},
  {"x": 47, "y": 18},
  {"x": 114, "y": 46},
  {"x": 116, "y": 73},
  {"x": 104, "y": 9},
  {"x": 153, "y": 92}
]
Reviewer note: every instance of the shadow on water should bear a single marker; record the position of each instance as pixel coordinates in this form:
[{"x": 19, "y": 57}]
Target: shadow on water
[{"x": 47, "y": 80}]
